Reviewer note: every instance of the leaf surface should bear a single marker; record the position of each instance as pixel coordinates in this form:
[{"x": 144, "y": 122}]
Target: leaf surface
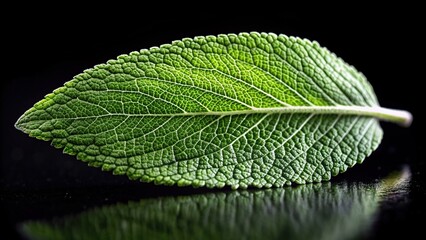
[{"x": 239, "y": 110}]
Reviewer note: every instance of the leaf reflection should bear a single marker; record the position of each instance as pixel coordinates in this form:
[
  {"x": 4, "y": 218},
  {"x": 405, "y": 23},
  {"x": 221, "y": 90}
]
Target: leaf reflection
[{"x": 316, "y": 211}]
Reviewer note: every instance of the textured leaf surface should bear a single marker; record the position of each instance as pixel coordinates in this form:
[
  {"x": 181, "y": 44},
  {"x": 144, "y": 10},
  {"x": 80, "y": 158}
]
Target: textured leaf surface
[
  {"x": 319, "y": 211},
  {"x": 238, "y": 110}
]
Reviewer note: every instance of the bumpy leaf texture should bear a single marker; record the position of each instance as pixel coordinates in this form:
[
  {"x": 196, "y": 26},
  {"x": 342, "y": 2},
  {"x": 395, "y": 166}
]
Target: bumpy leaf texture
[{"x": 230, "y": 110}]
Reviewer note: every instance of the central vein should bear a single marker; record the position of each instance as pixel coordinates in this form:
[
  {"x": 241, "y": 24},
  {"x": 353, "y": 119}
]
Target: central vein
[{"x": 398, "y": 116}]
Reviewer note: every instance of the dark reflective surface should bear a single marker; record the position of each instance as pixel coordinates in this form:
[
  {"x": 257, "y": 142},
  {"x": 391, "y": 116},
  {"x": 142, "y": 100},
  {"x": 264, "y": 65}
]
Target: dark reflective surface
[
  {"x": 347, "y": 208},
  {"x": 315, "y": 211}
]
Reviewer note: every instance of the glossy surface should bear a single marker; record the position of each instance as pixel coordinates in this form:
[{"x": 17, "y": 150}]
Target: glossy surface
[{"x": 313, "y": 211}]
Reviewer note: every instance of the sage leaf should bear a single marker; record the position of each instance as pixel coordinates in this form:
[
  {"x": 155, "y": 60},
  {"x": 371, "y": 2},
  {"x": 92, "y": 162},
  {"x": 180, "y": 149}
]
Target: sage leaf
[
  {"x": 314, "y": 211},
  {"x": 253, "y": 109}
]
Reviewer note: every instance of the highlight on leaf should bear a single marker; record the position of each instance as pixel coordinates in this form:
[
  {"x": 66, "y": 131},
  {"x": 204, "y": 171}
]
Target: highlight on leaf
[{"x": 253, "y": 109}]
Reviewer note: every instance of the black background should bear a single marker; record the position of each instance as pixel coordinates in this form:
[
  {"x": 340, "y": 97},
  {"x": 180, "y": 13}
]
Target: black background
[{"x": 42, "y": 51}]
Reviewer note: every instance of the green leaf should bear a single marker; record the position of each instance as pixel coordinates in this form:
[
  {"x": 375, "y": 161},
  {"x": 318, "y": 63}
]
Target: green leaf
[
  {"x": 318, "y": 211},
  {"x": 238, "y": 110}
]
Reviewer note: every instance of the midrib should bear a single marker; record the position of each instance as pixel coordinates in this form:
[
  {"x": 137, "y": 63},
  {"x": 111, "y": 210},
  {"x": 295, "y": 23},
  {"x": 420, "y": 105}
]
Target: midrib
[{"x": 398, "y": 116}]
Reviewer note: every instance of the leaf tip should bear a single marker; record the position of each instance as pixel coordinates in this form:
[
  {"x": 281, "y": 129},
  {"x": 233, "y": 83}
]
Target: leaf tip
[{"x": 18, "y": 124}]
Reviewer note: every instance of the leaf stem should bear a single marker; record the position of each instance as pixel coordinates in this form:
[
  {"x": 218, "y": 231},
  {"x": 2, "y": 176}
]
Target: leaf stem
[{"x": 401, "y": 117}]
